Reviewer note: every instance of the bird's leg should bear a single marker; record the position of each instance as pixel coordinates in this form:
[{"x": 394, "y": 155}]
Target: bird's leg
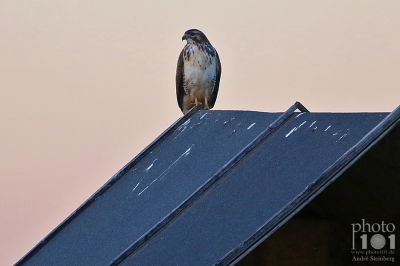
[
  {"x": 206, "y": 107},
  {"x": 196, "y": 102}
]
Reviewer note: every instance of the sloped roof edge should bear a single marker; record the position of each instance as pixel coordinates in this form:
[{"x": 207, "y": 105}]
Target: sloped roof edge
[
  {"x": 128, "y": 167},
  {"x": 107, "y": 185}
]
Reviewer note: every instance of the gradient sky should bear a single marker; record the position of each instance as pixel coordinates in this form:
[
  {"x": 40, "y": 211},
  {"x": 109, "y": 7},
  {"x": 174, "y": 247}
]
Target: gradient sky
[{"x": 86, "y": 85}]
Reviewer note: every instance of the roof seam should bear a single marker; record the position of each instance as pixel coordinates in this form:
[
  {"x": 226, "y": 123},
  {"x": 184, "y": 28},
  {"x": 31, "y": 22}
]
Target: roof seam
[{"x": 207, "y": 185}]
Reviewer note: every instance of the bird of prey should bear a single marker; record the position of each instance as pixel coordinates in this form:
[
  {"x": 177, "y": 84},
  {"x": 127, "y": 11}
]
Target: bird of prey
[{"x": 198, "y": 72}]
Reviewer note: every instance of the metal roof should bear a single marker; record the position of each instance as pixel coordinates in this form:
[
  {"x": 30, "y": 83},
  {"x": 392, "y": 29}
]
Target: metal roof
[{"x": 211, "y": 187}]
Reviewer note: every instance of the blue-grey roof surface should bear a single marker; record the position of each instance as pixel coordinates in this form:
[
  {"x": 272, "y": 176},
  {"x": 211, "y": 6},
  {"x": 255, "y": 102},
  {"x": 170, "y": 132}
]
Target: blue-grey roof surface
[{"x": 210, "y": 185}]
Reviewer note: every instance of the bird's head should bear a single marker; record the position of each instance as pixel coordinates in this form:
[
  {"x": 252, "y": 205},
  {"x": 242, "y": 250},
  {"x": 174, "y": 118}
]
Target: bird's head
[{"x": 194, "y": 36}]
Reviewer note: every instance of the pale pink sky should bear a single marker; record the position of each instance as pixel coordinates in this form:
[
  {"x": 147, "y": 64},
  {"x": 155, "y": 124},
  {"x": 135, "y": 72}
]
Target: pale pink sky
[{"x": 86, "y": 85}]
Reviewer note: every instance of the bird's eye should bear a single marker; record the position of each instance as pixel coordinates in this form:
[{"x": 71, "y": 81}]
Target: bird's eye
[{"x": 191, "y": 34}]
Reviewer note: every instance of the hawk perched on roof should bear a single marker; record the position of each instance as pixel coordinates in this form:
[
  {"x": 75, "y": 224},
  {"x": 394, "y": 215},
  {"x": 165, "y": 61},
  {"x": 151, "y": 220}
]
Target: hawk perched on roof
[{"x": 198, "y": 72}]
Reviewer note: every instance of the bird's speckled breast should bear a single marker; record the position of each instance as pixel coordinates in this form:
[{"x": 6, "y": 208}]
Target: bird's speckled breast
[{"x": 200, "y": 70}]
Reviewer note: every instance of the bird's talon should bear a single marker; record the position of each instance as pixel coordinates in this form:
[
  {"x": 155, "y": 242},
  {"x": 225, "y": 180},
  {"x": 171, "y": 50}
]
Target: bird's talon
[{"x": 206, "y": 107}]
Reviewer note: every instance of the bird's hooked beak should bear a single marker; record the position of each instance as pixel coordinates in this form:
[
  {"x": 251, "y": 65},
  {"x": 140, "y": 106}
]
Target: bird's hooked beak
[{"x": 184, "y": 37}]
